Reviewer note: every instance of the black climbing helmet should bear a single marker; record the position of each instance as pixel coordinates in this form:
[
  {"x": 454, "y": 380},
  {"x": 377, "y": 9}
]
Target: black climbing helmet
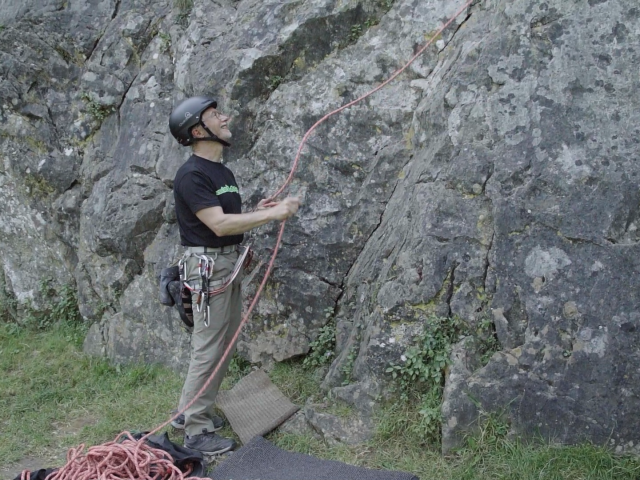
[{"x": 187, "y": 115}]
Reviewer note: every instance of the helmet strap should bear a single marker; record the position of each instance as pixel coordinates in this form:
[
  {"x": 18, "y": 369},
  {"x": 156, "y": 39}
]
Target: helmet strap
[{"x": 211, "y": 137}]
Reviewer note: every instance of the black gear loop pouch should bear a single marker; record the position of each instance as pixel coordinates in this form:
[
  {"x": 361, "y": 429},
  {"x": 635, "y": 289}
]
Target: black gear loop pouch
[
  {"x": 168, "y": 275},
  {"x": 173, "y": 292},
  {"x": 182, "y": 298}
]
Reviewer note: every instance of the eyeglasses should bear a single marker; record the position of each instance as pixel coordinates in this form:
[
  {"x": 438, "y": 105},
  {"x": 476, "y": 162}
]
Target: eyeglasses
[{"x": 215, "y": 113}]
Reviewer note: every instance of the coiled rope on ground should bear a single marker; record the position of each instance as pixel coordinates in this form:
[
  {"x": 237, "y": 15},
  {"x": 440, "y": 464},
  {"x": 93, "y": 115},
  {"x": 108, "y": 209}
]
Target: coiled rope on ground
[{"x": 135, "y": 460}]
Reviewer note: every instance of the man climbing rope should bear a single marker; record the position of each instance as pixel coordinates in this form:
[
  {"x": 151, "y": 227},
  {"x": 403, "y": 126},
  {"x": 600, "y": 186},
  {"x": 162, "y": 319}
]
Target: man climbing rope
[{"x": 208, "y": 209}]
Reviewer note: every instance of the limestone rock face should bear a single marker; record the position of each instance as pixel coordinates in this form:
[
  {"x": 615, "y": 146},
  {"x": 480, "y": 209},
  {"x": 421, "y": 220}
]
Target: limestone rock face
[{"x": 495, "y": 180}]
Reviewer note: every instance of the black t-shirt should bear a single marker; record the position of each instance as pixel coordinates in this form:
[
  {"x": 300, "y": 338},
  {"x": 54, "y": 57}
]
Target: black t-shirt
[{"x": 200, "y": 184}]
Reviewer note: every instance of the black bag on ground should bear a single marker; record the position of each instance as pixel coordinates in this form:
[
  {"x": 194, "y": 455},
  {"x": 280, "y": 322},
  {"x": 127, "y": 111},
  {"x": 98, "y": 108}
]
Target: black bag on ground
[
  {"x": 183, "y": 457},
  {"x": 41, "y": 474}
]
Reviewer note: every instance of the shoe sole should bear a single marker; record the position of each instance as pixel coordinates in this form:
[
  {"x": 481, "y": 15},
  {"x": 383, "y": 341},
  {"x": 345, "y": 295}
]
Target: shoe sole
[
  {"x": 211, "y": 454},
  {"x": 180, "y": 426}
]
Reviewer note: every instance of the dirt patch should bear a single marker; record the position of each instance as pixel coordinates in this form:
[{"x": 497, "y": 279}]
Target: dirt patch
[
  {"x": 8, "y": 472},
  {"x": 72, "y": 427},
  {"x": 54, "y": 457}
]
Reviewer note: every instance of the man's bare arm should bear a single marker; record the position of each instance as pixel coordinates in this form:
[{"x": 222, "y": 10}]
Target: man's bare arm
[{"x": 225, "y": 224}]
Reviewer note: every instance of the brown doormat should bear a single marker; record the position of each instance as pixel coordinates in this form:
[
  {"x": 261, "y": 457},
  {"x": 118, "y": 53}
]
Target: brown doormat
[{"x": 255, "y": 406}]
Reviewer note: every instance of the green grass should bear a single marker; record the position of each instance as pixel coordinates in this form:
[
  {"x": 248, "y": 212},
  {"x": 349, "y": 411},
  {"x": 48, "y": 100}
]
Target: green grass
[
  {"x": 53, "y": 397},
  {"x": 403, "y": 442},
  {"x": 295, "y": 382},
  {"x": 503, "y": 460}
]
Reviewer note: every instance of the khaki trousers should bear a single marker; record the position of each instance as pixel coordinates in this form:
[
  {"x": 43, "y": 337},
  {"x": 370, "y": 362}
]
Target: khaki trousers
[{"x": 209, "y": 343}]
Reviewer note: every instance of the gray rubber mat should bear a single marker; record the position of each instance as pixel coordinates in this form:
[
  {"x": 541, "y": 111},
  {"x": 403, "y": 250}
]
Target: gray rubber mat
[
  {"x": 261, "y": 460},
  {"x": 255, "y": 406}
]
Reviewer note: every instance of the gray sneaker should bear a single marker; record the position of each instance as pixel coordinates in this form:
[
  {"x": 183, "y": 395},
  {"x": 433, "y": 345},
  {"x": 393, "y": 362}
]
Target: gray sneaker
[
  {"x": 209, "y": 443},
  {"x": 178, "y": 422}
]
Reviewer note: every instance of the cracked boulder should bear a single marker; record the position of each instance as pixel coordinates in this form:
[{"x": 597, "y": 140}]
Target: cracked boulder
[
  {"x": 336, "y": 429},
  {"x": 298, "y": 425}
]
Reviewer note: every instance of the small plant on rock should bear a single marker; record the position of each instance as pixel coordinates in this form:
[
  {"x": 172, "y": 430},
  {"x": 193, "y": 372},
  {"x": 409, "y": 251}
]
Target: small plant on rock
[
  {"x": 275, "y": 81},
  {"x": 370, "y": 23},
  {"x": 347, "y": 367},
  {"x": 238, "y": 367},
  {"x": 183, "y": 5},
  {"x": 419, "y": 377},
  {"x": 388, "y": 4},
  {"x": 356, "y": 31},
  {"x": 37, "y": 186},
  {"x": 321, "y": 349},
  {"x": 184, "y": 8},
  {"x": 96, "y": 110},
  {"x": 486, "y": 340},
  {"x": 165, "y": 42},
  {"x": 422, "y": 364},
  {"x": 59, "y": 306},
  {"x": 8, "y": 305}
]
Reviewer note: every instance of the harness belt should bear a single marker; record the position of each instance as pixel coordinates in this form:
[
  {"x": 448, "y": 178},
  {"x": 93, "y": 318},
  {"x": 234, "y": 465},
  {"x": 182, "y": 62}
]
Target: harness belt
[{"x": 220, "y": 250}]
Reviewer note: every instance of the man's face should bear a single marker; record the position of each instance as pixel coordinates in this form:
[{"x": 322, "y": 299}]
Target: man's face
[{"x": 217, "y": 123}]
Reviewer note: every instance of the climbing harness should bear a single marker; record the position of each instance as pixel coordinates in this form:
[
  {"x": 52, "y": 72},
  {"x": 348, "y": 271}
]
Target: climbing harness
[
  {"x": 207, "y": 288},
  {"x": 114, "y": 470},
  {"x": 174, "y": 289}
]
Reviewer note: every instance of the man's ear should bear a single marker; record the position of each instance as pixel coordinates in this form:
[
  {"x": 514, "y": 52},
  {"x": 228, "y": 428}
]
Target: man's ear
[{"x": 198, "y": 132}]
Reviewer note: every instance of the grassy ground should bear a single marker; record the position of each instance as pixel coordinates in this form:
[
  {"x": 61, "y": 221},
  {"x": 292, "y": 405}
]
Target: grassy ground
[{"x": 53, "y": 397}]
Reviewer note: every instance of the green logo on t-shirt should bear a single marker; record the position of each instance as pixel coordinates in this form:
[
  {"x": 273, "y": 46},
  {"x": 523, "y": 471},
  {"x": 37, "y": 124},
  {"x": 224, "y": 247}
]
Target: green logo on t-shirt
[{"x": 227, "y": 189}]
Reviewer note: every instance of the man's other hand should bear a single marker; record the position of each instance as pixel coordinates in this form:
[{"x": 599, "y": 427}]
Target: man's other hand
[{"x": 285, "y": 208}]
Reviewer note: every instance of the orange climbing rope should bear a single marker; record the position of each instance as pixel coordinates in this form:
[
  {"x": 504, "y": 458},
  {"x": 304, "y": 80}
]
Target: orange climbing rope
[
  {"x": 135, "y": 459},
  {"x": 117, "y": 460}
]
